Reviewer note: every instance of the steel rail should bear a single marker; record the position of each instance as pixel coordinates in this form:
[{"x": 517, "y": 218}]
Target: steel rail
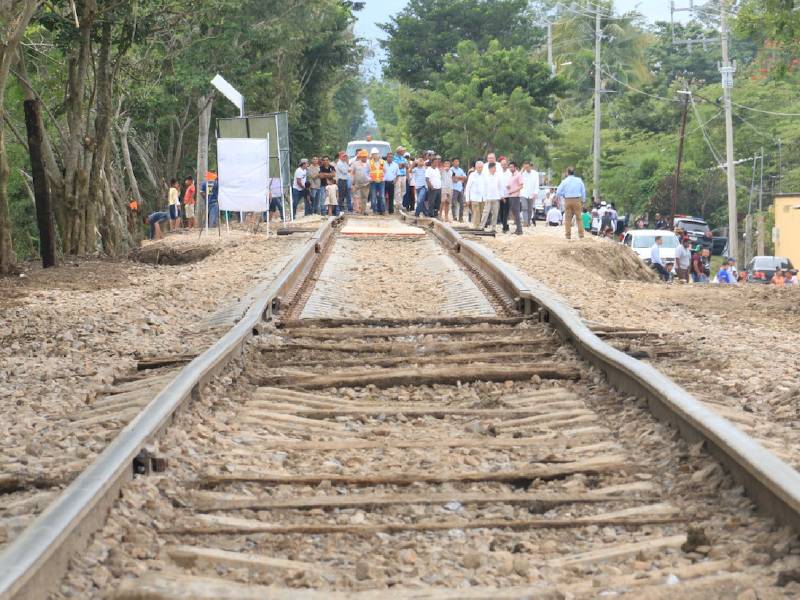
[
  {"x": 35, "y": 561},
  {"x": 772, "y": 484}
]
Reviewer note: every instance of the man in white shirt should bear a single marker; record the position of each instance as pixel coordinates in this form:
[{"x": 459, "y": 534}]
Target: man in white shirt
[
  {"x": 299, "y": 185},
  {"x": 433, "y": 181},
  {"x": 683, "y": 259},
  {"x": 655, "y": 258},
  {"x": 474, "y": 193},
  {"x": 493, "y": 192},
  {"x": 530, "y": 192},
  {"x": 554, "y": 217}
]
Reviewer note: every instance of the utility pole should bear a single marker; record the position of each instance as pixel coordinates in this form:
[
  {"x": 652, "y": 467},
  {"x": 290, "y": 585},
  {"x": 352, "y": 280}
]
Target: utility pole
[
  {"x": 676, "y": 187},
  {"x": 550, "y": 48},
  {"x": 598, "y": 35},
  {"x": 727, "y": 70},
  {"x": 760, "y": 215},
  {"x": 780, "y": 167}
]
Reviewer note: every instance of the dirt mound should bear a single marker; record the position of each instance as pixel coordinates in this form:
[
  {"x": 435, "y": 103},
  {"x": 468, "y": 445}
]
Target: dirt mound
[
  {"x": 164, "y": 254},
  {"x": 610, "y": 261}
]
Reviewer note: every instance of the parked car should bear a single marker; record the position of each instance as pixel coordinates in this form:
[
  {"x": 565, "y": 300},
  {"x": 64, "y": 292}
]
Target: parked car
[
  {"x": 538, "y": 204},
  {"x": 696, "y": 229},
  {"x": 641, "y": 240},
  {"x": 383, "y": 147},
  {"x": 719, "y": 246},
  {"x": 760, "y": 269}
]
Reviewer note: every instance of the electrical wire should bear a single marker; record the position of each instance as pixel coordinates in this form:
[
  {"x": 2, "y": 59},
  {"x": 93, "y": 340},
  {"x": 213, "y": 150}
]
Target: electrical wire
[
  {"x": 716, "y": 156},
  {"x": 766, "y": 112},
  {"x": 638, "y": 91}
]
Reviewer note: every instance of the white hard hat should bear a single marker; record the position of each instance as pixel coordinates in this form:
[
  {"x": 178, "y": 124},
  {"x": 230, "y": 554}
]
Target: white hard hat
[
  {"x": 374, "y": 151},
  {"x": 603, "y": 203}
]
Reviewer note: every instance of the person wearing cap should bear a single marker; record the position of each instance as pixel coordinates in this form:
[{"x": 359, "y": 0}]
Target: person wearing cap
[
  {"x": 732, "y": 268},
  {"x": 683, "y": 259},
  {"x": 299, "y": 184},
  {"x": 400, "y": 180},
  {"x": 359, "y": 173},
  {"x": 699, "y": 268},
  {"x": 377, "y": 183}
]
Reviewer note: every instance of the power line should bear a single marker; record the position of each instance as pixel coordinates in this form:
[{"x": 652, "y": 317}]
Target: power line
[
  {"x": 638, "y": 91},
  {"x": 766, "y": 112},
  {"x": 703, "y": 130}
]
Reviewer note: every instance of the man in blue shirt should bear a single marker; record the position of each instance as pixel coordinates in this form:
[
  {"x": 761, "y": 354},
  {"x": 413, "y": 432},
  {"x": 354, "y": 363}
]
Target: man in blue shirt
[
  {"x": 210, "y": 189},
  {"x": 725, "y": 275},
  {"x": 420, "y": 187},
  {"x": 459, "y": 177},
  {"x": 390, "y": 173},
  {"x": 572, "y": 193},
  {"x": 400, "y": 180}
]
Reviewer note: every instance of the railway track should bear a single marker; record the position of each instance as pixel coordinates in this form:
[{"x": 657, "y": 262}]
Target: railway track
[{"x": 460, "y": 450}]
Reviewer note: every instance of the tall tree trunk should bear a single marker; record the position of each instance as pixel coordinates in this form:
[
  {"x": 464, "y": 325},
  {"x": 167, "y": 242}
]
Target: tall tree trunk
[
  {"x": 15, "y": 16},
  {"x": 76, "y": 238},
  {"x": 98, "y": 180},
  {"x": 126, "y": 157},
  {"x": 204, "y": 107}
]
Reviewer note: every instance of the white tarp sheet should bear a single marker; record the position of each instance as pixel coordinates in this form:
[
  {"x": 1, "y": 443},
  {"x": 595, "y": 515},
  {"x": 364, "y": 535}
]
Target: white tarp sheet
[{"x": 243, "y": 174}]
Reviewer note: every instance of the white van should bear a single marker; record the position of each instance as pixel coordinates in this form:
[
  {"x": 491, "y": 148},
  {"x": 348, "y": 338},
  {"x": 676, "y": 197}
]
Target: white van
[
  {"x": 641, "y": 240},
  {"x": 383, "y": 147}
]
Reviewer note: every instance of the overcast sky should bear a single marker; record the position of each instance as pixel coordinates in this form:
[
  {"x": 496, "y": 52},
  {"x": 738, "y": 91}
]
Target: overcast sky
[{"x": 379, "y": 11}]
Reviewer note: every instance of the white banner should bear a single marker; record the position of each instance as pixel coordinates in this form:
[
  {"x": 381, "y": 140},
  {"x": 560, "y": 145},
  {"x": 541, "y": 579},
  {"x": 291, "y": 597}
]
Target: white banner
[{"x": 243, "y": 174}]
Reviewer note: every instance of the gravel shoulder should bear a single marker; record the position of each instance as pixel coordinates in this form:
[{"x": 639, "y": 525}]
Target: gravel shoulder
[
  {"x": 733, "y": 347},
  {"x": 70, "y": 336}
]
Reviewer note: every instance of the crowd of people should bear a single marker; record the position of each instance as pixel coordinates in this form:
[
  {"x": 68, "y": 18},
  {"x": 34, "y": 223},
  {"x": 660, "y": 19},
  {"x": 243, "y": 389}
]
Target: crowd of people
[
  {"x": 491, "y": 192},
  {"x": 487, "y": 195}
]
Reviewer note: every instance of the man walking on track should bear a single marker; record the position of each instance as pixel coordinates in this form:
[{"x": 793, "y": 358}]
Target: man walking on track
[
  {"x": 513, "y": 191},
  {"x": 475, "y": 192},
  {"x": 572, "y": 193},
  {"x": 400, "y": 180},
  {"x": 361, "y": 183},
  {"x": 377, "y": 186}
]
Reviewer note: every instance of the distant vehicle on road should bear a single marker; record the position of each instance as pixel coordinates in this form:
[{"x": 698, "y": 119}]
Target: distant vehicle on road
[
  {"x": 641, "y": 240},
  {"x": 383, "y": 147},
  {"x": 538, "y": 204},
  {"x": 696, "y": 229},
  {"x": 760, "y": 269}
]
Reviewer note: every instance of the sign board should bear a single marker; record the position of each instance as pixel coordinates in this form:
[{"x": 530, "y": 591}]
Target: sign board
[
  {"x": 243, "y": 174},
  {"x": 230, "y": 92},
  {"x": 276, "y": 125}
]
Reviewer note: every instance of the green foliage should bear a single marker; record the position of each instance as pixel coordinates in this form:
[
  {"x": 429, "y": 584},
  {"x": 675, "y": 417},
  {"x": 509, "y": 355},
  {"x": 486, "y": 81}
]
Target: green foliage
[
  {"x": 496, "y": 99},
  {"x": 421, "y": 36},
  {"x": 775, "y": 20}
]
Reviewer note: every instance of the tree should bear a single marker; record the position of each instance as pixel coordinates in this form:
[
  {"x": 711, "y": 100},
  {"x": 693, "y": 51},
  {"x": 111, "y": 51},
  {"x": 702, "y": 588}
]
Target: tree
[
  {"x": 14, "y": 18},
  {"x": 493, "y": 100},
  {"x": 428, "y": 30}
]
